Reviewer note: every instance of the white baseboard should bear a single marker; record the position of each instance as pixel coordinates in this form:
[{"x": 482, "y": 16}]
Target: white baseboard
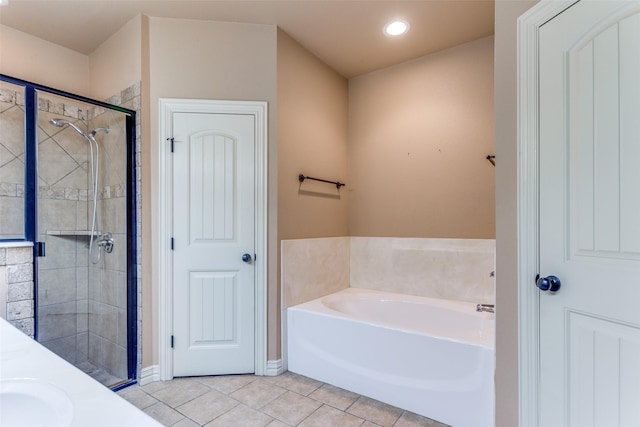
[
  {"x": 149, "y": 374},
  {"x": 152, "y": 373},
  {"x": 274, "y": 368}
]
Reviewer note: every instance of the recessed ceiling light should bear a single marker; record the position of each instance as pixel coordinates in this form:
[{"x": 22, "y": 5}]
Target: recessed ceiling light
[{"x": 396, "y": 28}]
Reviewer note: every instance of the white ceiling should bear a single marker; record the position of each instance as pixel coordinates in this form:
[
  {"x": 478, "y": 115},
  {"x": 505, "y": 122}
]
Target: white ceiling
[{"x": 346, "y": 34}]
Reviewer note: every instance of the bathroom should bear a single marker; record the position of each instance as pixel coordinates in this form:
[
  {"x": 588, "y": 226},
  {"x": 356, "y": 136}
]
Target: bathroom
[{"x": 324, "y": 125}]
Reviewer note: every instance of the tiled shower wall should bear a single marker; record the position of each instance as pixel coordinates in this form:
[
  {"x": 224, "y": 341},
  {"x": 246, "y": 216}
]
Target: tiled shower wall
[
  {"x": 63, "y": 198},
  {"x": 11, "y": 163},
  {"x": 82, "y": 306},
  {"x": 16, "y": 286},
  {"x": 107, "y": 289}
]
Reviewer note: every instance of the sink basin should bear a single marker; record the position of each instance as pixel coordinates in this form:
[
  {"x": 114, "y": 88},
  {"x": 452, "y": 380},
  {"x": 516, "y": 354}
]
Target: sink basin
[{"x": 27, "y": 402}]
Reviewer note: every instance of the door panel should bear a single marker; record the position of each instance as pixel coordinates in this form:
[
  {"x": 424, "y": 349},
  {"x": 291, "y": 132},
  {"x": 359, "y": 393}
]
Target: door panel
[
  {"x": 212, "y": 185},
  {"x": 213, "y": 226},
  {"x": 629, "y": 74},
  {"x": 590, "y": 215},
  {"x": 212, "y": 308},
  {"x": 604, "y": 357},
  {"x": 604, "y": 174}
]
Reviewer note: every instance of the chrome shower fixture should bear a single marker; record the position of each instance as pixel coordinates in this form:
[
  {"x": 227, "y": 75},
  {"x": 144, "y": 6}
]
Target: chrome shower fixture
[
  {"x": 63, "y": 122},
  {"x": 103, "y": 241},
  {"x": 93, "y": 132},
  {"x": 106, "y": 241}
]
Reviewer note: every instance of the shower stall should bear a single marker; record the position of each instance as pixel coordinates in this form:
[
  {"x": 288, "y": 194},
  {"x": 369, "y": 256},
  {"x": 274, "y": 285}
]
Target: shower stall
[{"x": 72, "y": 162}]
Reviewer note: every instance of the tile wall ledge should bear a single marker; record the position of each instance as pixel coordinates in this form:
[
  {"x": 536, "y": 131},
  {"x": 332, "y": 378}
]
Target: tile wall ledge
[{"x": 65, "y": 233}]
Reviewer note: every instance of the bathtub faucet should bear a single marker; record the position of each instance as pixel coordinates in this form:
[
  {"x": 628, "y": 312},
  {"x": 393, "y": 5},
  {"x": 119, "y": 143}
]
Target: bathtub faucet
[{"x": 489, "y": 308}]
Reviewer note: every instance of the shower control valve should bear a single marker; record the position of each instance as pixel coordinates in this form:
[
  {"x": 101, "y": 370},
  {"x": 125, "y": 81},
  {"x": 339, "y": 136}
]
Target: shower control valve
[{"x": 106, "y": 241}]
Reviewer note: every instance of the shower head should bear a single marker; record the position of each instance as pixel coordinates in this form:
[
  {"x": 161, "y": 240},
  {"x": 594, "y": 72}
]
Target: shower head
[
  {"x": 58, "y": 122},
  {"x": 93, "y": 132},
  {"x": 62, "y": 123}
]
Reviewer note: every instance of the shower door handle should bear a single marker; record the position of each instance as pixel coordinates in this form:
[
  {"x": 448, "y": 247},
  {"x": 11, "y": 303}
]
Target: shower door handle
[{"x": 39, "y": 249}]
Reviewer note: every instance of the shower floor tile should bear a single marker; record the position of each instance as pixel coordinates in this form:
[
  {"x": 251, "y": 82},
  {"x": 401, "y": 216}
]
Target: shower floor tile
[
  {"x": 99, "y": 374},
  {"x": 247, "y": 400}
]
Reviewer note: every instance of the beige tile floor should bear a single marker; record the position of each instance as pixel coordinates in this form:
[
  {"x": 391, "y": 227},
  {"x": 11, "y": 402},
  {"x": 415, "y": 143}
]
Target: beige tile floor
[{"x": 246, "y": 400}]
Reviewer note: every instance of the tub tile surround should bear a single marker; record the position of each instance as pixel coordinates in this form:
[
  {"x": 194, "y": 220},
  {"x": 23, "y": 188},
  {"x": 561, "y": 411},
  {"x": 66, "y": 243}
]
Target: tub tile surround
[
  {"x": 312, "y": 268},
  {"x": 455, "y": 269}
]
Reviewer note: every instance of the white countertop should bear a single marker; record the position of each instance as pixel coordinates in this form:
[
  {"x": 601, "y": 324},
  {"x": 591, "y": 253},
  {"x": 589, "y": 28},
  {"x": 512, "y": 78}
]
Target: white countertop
[{"x": 92, "y": 403}]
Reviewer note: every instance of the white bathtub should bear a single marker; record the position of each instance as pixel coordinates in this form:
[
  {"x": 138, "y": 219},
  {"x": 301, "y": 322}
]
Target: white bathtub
[{"x": 429, "y": 356}]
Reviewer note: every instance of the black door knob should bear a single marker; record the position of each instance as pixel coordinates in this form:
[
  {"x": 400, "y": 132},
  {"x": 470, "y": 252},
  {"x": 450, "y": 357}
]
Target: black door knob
[
  {"x": 549, "y": 283},
  {"x": 246, "y": 258}
]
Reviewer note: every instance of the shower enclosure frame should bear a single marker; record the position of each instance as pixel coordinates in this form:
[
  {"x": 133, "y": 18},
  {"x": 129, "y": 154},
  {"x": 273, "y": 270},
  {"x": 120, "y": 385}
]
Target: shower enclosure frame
[{"x": 31, "y": 205}]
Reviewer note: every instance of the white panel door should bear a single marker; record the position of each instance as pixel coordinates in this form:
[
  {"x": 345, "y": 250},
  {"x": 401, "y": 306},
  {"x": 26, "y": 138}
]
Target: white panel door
[
  {"x": 213, "y": 227},
  {"x": 590, "y": 215}
]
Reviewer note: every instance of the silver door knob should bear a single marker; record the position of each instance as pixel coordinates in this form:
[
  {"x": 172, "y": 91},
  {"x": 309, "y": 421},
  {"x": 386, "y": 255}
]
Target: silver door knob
[
  {"x": 246, "y": 258},
  {"x": 549, "y": 283}
]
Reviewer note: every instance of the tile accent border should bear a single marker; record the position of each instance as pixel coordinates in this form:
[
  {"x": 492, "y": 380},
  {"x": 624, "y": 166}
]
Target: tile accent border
[{"x": 69, "y": 110}]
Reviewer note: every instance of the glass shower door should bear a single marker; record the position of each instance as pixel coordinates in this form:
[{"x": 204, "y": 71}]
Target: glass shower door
[
  {"x": 83, "y": 290},
  {"x": 12, "y": 164}
]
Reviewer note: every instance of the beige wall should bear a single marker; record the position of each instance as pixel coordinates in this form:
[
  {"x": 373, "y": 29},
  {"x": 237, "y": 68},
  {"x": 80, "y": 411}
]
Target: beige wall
[
  {"x": 117, "y": 63},
  {"x": 419, "y": 133},
  {"x": 506, "y": 14},
  {"x": 150, "y": 302},
  {"x": 312, "y": 139},
  {"x": 36, "y": 60},
  {"x": 113, "y": 66},
  {"x": 213, "y": 60}
]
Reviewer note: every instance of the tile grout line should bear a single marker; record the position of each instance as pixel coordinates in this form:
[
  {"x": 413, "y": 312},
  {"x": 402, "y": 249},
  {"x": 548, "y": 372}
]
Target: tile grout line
[
  {"x": 274, "y": 385},
  {"x": 317, "y": 409}
]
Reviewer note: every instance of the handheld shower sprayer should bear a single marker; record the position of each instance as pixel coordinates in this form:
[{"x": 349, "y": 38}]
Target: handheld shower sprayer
[{"x": 62, "y": 123}]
